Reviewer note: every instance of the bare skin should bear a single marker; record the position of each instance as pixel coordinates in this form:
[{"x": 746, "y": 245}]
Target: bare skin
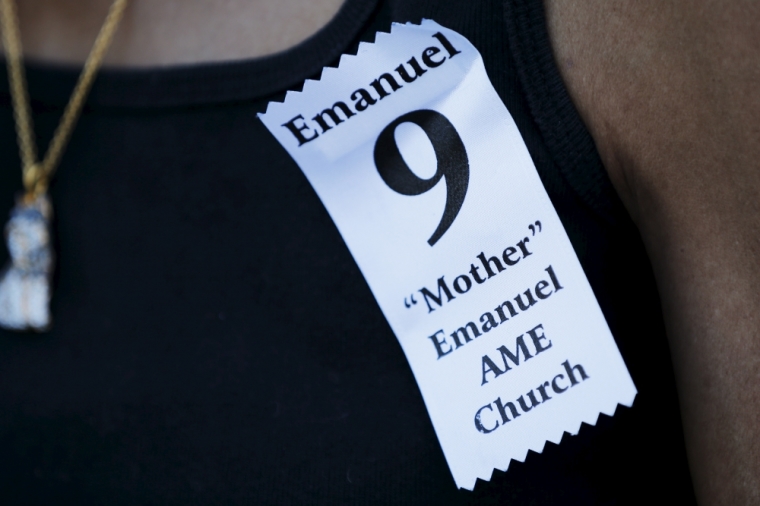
[
  {"x": 670, "y": 92},
  {"x": 170, "y": 32}
]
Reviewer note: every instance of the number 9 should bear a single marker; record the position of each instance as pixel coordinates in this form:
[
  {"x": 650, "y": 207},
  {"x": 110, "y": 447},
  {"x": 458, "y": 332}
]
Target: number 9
[{"x": 451, "y": 159}]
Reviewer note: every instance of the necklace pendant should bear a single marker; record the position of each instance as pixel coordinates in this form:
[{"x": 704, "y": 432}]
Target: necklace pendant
[{"x": 25, "y": 282}]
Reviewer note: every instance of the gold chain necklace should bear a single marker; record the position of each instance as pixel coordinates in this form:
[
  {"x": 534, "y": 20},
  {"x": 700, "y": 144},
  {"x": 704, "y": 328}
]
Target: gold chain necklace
[{"x": 25, "y": 283}]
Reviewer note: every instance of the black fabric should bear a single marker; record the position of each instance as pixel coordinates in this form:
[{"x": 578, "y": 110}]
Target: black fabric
[
  {"x": 214, "y": 341},
  {"x": 213, "y": 83}
]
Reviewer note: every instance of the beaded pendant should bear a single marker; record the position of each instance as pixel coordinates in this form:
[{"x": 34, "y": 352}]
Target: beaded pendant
[{"x": 25, "y": 282}]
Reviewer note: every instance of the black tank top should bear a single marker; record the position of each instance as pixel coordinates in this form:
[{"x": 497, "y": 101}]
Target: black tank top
[{"x": 214, "y": 341}]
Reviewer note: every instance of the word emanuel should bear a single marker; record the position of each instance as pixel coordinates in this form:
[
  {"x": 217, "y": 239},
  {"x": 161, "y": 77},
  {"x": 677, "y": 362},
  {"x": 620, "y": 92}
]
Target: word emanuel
[
  {"x": 383, "y": 86},
  {"x": 469, "y": 331}
]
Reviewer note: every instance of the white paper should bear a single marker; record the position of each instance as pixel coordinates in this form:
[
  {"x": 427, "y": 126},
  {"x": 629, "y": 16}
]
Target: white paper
[{"x": 451, "y": 107}]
